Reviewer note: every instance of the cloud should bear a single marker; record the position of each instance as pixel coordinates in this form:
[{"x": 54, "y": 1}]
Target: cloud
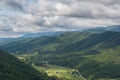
[
  {"x": 25, "y": 16},
  {"x": 13, "y": 4}
]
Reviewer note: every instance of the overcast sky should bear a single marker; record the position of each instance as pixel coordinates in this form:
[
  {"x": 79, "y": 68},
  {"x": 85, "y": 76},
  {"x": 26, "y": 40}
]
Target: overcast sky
[{"x": 18, "y": 17}]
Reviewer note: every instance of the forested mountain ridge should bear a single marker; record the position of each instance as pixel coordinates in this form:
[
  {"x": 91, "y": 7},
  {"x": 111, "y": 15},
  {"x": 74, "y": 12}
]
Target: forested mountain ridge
[
  {"x": 13, "y": 69},
  {"x": 68, "y": 41},
  {"x": 95, "y": 55},
  {"x": 45, "y": 43},
  {"x": 115, "y": 28}
]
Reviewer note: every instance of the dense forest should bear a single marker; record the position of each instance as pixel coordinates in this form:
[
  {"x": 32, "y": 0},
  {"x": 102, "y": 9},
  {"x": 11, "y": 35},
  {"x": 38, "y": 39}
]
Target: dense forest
[{"x": 13, "y": 69}]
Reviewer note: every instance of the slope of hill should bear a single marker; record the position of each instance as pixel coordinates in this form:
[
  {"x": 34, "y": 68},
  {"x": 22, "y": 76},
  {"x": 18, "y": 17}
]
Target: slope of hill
[
  {"x": 13, "y": 69},
  {"x": 95, "y": 55},
  {"x": 4, "y": 41},
  {"x": 45, "y": 44}
]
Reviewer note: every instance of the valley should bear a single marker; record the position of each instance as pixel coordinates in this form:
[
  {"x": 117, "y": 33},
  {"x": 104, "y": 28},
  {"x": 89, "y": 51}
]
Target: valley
[
  {"x": 60, "y": 72},
  {"x": 71, "y": 55},
  {"x": 63, "y": 73},
  {"x": 59, "y": 39}
]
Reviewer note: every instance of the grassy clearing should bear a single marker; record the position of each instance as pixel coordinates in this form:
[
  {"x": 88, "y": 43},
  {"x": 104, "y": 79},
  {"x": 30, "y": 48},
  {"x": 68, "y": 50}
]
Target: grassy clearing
[
  {"x": 60, "y": 72},
  {"x": 64, "y": 73}
]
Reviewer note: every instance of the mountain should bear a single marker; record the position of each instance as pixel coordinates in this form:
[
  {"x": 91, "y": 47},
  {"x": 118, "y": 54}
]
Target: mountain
[
  {"x": 115, "y": 28},
  {"x": 40, "y": 34},
  {"x": 4, "y": 41},
  {"x": 45, "y": 43},
  {"x": 95, "y": 55},
  {"x": 13, "y": 69}
]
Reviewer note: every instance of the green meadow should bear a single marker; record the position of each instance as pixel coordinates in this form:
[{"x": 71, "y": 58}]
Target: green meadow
[{"x": 63, "y": 73}]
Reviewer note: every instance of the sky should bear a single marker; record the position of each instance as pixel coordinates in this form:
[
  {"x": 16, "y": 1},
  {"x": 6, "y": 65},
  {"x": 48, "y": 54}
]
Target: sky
[{"x": 18, "y": 17}]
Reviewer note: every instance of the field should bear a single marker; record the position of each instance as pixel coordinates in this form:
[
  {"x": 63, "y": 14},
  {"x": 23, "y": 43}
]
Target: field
[
  {"x": 63, "y": 73},
  {"x": 60, "y": 72}
]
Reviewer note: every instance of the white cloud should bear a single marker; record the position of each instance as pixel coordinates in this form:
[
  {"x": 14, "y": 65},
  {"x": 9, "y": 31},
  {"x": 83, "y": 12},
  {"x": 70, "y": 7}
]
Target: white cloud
[{"x": 23, "y": 16}]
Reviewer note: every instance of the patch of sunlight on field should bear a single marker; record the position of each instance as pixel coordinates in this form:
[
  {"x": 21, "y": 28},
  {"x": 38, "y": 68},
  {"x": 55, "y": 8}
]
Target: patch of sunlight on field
[{"x": 60, "y": 72}]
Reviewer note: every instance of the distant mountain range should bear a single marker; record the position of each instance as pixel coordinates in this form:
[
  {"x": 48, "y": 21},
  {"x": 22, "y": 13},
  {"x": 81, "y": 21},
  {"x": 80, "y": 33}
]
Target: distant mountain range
[
  {"x": 30, "y": 35},
  {"x": 40, "y": 34},
  {"x": 115, "y": 28}
]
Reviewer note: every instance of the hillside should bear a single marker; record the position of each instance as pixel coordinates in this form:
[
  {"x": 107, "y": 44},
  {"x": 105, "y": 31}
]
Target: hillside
[
  {"x": 3, "y": 41},
  {"x": 13, "y": 69},
  {"x": 95, "y": 55},
  {"x": 45, "y": 43}
]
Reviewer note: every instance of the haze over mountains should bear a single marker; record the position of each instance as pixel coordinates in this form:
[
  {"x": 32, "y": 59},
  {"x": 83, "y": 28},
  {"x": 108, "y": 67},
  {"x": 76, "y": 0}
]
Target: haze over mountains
[{"x": 115, "y": 28}]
